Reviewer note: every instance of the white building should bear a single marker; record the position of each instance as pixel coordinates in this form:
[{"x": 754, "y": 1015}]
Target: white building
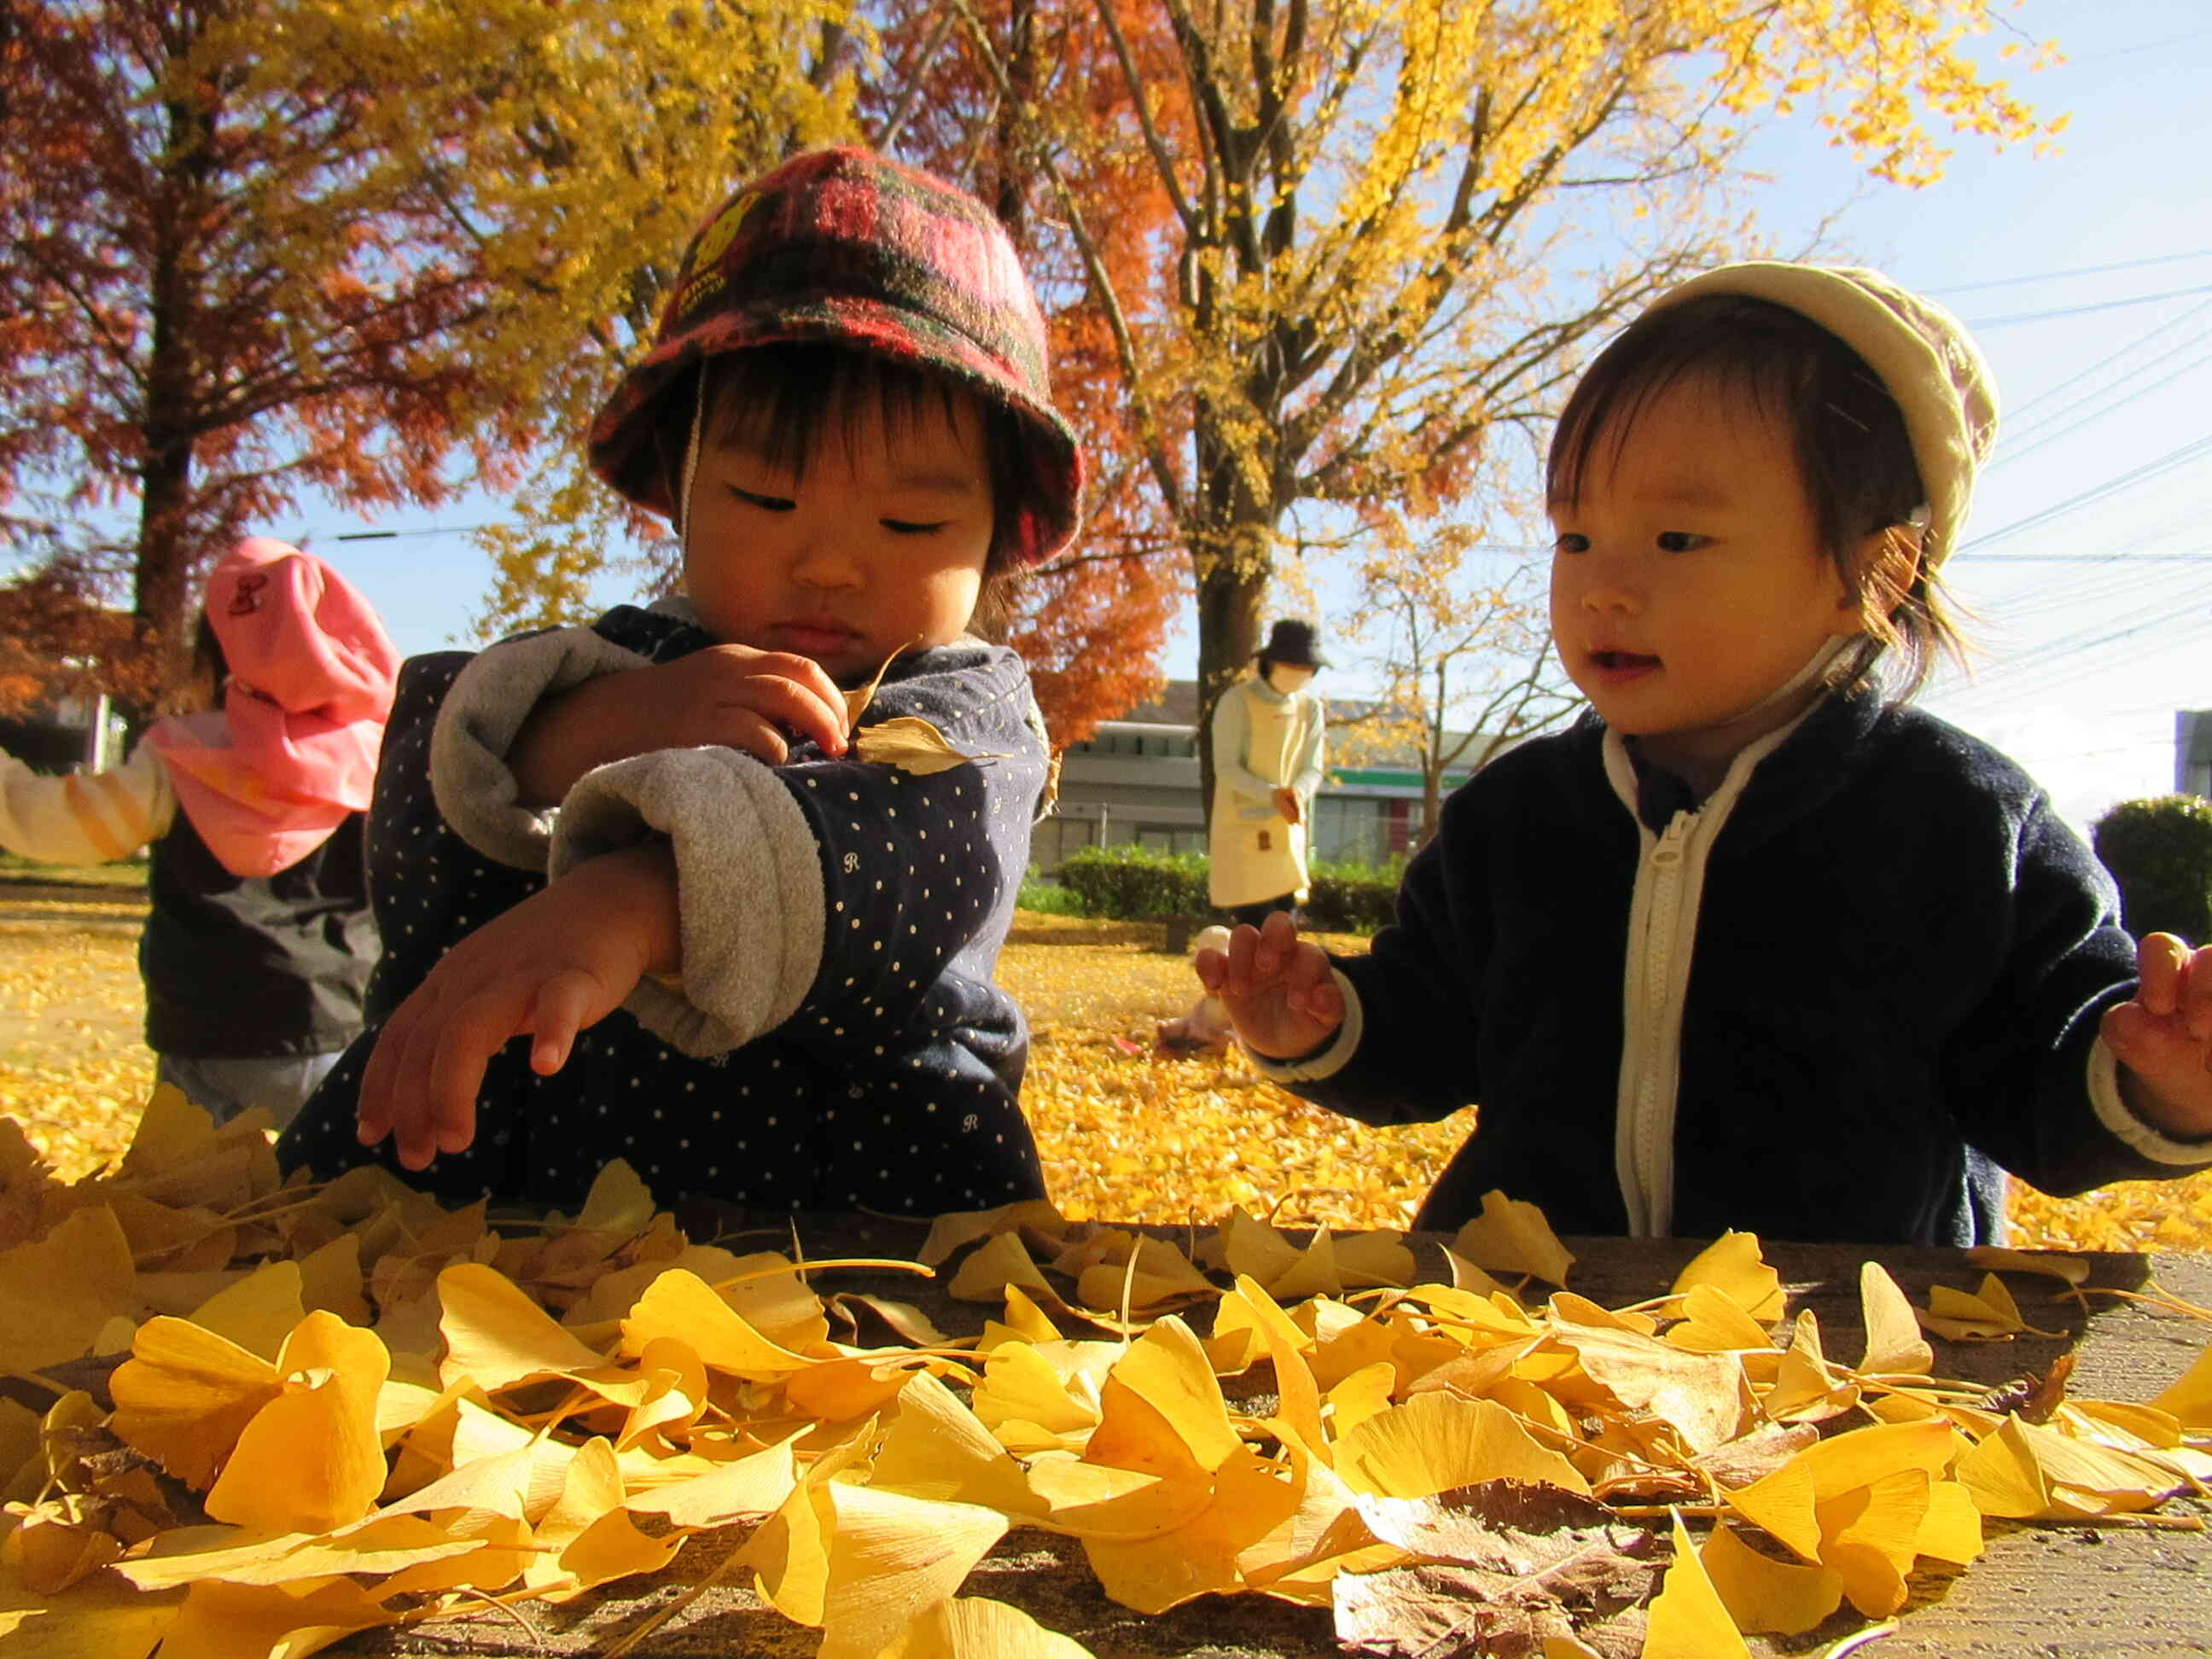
[{"x": 1137, "y": 779}]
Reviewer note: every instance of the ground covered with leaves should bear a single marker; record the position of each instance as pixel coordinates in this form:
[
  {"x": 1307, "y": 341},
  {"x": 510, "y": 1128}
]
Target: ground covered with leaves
[{"x": 1126, "y": 1133}]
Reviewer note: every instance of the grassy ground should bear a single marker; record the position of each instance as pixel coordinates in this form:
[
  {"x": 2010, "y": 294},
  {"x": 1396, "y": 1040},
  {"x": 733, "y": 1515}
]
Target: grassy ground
[{"x": 1124, "y": 1133}]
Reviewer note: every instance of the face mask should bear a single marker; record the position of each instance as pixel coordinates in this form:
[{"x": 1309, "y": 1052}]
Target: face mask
[{"x": 1287, "y": 679}]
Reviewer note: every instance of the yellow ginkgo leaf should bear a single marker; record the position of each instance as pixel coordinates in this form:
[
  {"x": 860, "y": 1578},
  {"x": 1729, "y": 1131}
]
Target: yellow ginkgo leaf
[
  {"x": 185, "y": 1395},
  {"x": 1894, "y": 1346},
  {"x": 857, "y": 701},
  {"x": 497, "y": 1337},
  {"x": 1160, "y": 1409},
  {"x": 225, "y": 1621},
  {"x": 1733, "y": 1265},
  {"x": 1687, "y": 1619},
  {"x": 973, "y": 1627},
  {"x": 1510, "y": 1236},
  {"x": 1436, "y": 1442},
  {"x": 2188, "y": 1398},
  {"x": 682, "y": 1306},
  {"x": 891, "y": 1556},
  {"x": 57, "y": 1293},
  {"x": 935, "y": 1447},
  {"x": 744, "y": 1489},
  {"x": 957, "y": 1227},
  {"x": 984, "y": 1276},
  {"x": 1713, "y": 1321},
  {"x": 1022, "y": 1322},
  {"x": 1701, "y": 1394},
  {"x": 1244, "y": 1500},
  {"x": 258, "y": 1312},
  {"x": 311, "y": 1459},
  {"x": 1869, "y": 1536},
  {"x": 2051, "y": 1264},
  {"x": 1030, "y": 1404},
  {"x": 1806, "y": 1388},
  {"x": 1953, "y": 1529},
  {"x": 912, "y": 744},
  {"x": 1762, "y": 1593}
]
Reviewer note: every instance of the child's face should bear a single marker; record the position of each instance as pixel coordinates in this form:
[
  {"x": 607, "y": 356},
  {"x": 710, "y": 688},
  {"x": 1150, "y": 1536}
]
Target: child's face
[
  {"x": 878, "y": 547},
  {"x": 1688, "y": 583}
]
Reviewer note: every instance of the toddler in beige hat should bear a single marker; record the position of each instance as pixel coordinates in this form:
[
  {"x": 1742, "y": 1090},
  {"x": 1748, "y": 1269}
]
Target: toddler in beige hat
[{"x": 1776, "y": 950}]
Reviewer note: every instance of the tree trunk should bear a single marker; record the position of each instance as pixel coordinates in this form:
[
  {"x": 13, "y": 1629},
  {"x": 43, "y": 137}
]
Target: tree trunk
[
  {"x": 162, "y": 597},
  {"x": 1229, "y": 596}
]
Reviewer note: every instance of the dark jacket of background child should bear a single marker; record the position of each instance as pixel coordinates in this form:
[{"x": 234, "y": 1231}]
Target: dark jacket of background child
[{"x": 1901, "y": 953}]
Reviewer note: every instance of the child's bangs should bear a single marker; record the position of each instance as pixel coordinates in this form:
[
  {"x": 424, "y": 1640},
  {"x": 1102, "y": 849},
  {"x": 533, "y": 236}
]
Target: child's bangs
[
  {"x": 783, "y": 401},
  {"x": 1705, "y": 340}
]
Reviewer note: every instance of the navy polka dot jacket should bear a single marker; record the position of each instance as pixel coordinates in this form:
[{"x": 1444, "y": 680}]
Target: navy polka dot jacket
[{"x": 894, "y": 1083}]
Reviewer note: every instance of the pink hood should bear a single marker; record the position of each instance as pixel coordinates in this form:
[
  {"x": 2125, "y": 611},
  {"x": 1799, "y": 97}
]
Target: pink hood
[{"x": 292, "y": 752}]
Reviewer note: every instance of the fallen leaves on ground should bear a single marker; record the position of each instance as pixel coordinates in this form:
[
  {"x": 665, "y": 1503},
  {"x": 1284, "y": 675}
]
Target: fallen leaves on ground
[
  {"x": 250, "y": 1416},
  {"x": 1123, "y": 1132}
]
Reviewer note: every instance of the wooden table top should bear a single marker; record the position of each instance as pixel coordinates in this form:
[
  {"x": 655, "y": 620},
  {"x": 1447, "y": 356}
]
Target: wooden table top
[{"x": 2116, "y": 1592}]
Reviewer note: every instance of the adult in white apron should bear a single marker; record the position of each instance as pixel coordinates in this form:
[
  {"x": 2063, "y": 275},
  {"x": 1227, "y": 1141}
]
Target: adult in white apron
[{"x": 1266, "y": 737}]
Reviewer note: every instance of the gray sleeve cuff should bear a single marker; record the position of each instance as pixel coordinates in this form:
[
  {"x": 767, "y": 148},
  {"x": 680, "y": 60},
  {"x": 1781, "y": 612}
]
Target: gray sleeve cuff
[
  {"x": 2113, "y": 1112},
  {"x": 477, "y": 724},
  {"x": 748, "y": 880},
  {"x": 1330, "y": 1061}
]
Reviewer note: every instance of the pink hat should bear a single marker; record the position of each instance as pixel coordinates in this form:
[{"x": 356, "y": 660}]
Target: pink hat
[{"x": 292, "y": 752}]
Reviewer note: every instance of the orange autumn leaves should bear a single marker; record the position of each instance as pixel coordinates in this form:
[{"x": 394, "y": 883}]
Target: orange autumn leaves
[{"x": 253, "y": 1418}]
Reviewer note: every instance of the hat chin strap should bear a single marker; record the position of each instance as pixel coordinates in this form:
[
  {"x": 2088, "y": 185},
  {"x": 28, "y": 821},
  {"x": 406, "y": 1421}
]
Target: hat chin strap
[
  {"x": 691, "y": 466},
  {"x": 1819, "y": 664}
]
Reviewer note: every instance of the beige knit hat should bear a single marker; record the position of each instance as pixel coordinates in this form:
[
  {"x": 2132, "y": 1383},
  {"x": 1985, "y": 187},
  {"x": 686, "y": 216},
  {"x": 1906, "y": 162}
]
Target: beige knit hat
[{"x": 1924, "y": 356}]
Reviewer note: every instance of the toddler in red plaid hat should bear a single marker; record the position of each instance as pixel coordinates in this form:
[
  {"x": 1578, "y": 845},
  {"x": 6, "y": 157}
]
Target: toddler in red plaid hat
[{"x": 761, "y": 970}]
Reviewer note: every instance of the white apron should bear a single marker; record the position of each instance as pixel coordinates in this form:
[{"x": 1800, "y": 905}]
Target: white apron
[{"x": 1255, "y": 853}]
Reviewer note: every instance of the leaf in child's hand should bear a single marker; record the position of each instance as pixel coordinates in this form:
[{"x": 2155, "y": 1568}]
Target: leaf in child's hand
[
  {"x": 856, "y": 702},
  {"x": 912, "y": 744}
]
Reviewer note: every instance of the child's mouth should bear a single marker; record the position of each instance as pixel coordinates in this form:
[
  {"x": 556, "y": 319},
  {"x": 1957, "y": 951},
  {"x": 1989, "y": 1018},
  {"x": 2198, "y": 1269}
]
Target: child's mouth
[{"x": 1616, "y": 666}]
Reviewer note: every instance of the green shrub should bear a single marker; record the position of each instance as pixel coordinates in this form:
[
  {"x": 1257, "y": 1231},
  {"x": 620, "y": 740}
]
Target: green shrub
[
  {"x": 2159, "y": 851},
  {"x": 1353, "y": 898},
  {"x": 1130, "y": 883},
  {"x": 1049, "y": 897}
]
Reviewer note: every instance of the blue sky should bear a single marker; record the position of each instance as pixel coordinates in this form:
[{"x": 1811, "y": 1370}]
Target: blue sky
[{"x": 2087, "y": 567}]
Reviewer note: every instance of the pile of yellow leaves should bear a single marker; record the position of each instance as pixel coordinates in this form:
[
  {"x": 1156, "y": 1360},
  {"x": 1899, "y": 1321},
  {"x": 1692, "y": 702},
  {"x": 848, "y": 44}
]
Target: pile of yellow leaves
[{"x": 339, "y": 1407}]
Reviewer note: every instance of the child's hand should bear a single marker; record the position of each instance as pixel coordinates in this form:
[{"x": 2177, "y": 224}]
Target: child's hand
[
  {"x": 1278, "y": 990},
  {"x": 2163, "y": 1039},
  {"x": 728, "y": 697},
  {"x": 562, "y": 959}
]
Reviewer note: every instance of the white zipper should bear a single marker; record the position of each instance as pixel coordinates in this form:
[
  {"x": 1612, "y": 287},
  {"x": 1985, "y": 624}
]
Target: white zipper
[{"x": 1648, "y": 1131}]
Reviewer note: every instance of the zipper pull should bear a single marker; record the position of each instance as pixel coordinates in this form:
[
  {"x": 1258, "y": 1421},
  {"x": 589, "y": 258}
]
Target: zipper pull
[{"x": 1669, "y": 849}]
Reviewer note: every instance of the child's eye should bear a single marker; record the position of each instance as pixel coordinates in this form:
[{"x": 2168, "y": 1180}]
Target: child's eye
[
  {"x": 1569, "y": 542},
  {"x": 906, "y": 527},
  {"x": 765, "y": 503},
  {"x": 1680, "y": 541}
]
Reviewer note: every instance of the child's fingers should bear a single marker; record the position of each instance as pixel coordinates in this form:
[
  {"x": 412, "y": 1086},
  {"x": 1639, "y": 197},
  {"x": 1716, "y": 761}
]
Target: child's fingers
[
  {"x": 1309, "y": 987},
  {"x": 1244, "y": 941},
  {"x": 1212, "y": 967},
  {"x": 1279, "y": 940},
  {"x": 2193, "y": 994},
  {"x": 2159, "y": 958},
  {"x": 564, "y": 1005}
]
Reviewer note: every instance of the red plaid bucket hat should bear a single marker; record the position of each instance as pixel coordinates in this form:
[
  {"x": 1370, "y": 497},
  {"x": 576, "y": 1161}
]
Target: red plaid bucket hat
[{"x": 841, "y": 245}]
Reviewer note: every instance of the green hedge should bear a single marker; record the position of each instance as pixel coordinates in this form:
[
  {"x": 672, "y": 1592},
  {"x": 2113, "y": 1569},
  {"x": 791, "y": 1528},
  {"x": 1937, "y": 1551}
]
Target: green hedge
[
  {"x": 1129, "y": 883},
  {"x": 2159, "y": 851}
]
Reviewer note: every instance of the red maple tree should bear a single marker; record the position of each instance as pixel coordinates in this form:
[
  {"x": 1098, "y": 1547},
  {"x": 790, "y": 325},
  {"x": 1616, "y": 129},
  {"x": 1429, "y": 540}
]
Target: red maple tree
[{"x": 214, "y": 294}]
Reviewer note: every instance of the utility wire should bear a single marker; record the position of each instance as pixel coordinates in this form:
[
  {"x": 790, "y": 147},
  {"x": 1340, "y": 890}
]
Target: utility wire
[{"x": 2079, "y": 271}]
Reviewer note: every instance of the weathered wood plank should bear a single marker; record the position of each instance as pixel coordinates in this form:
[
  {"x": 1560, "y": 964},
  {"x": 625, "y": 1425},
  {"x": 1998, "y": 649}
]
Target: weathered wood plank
[{"x": 2080, "y": 1592}]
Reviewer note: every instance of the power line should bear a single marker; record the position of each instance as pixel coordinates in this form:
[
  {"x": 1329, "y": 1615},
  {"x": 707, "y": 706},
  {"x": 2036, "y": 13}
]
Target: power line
[
  {"x": 2079, "y": 271},
  {"x": 2083, "y": 311}
]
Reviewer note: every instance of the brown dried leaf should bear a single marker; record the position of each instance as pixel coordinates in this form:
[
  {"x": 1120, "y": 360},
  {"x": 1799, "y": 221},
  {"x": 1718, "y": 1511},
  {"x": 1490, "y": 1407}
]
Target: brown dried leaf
[{"x": 912, "y": 744}]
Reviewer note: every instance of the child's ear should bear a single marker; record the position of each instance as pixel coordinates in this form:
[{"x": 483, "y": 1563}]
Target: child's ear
[{"x": 1887, "y": 563}]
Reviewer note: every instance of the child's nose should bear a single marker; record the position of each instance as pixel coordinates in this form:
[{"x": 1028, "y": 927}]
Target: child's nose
[
  {"x": 824, "y": 560},
  {"x": 1608, "y": 585}
]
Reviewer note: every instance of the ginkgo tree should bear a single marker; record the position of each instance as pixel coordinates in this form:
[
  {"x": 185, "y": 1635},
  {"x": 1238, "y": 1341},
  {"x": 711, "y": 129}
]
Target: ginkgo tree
[
  {"x": 249, "y": 251},
  {"x": 1396, "y": 228}
]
